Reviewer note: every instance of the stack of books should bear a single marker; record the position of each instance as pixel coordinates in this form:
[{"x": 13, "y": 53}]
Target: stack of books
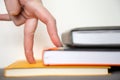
[
  {"x": 88, "y": 51},
  {"x": 87, "y": 46}
]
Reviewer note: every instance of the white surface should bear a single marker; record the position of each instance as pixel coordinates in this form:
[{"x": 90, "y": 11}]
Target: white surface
[
  {"x": 68, "y": 13},
  {"x": 82, "y": 57},
  {"x": 57, "y": 72},
  {"x": 95, "y": 38}
]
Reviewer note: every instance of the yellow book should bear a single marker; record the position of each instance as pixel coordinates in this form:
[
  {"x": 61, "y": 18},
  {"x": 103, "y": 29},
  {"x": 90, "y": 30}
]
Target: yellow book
[{"x": 24, "y": 69}]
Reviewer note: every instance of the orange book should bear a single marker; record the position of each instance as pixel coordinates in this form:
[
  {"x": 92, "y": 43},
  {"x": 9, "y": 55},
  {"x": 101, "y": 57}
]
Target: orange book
[{"x": 24, "y": 69}]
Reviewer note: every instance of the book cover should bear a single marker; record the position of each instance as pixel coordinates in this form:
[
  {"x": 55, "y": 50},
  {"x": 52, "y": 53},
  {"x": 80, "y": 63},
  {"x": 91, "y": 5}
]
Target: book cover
[
  {"x": 24, "y": 69},
  {"x": 81, "y": 56},
  {"x": 99, "y": 36}
]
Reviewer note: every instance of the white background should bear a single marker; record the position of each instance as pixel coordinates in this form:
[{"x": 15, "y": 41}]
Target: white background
[{"x": 68, "y": 13}]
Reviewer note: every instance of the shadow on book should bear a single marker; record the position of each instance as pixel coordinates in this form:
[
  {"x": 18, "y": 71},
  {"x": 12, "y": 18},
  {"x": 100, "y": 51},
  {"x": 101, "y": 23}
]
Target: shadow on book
[
  {"x": 114, "y": 69},
  {"x": 113, "y": 47}
]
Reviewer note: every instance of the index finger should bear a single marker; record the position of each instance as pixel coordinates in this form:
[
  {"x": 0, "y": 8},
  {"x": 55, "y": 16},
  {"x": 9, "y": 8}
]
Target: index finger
[{"x": 43, "y": 14}]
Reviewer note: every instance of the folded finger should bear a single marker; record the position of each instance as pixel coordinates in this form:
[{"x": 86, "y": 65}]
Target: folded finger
[
  {"x": 13, "y": 7},
  {"x": 18, "y": 20}
]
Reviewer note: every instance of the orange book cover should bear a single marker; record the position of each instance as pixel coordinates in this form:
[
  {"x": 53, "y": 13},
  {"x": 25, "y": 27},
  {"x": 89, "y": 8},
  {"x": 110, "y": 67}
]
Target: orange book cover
[{"x": 22, "y": 68}]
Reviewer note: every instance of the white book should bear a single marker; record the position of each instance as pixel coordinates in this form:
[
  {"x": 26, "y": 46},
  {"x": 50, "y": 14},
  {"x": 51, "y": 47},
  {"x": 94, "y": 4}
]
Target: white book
[
  {"x": 108, "y": 36},
  {"x": 77, "y": 56}
]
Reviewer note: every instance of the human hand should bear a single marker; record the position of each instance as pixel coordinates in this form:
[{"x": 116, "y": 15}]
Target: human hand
[{"x": 28, "y": 12}]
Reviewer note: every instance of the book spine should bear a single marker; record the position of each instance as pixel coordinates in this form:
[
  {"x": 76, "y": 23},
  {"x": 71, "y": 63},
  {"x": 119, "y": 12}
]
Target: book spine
[{"x": 67, "y": 37}]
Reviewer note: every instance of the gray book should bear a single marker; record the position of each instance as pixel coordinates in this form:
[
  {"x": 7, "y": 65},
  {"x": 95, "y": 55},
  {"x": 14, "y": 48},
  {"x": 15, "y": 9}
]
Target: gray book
[{"x": 107, "y": 36}]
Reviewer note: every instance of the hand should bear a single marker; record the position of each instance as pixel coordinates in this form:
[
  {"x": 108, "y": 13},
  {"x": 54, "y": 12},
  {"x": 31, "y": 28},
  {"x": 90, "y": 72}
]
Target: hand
[{"x": 28, "y": 12}]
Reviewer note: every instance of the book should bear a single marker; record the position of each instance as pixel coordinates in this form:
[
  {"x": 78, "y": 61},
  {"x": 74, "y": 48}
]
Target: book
[
  {"x": 99, "y": 36},
  {"x": 81, "y": 56},
  {"x": 24, "y": 69}
]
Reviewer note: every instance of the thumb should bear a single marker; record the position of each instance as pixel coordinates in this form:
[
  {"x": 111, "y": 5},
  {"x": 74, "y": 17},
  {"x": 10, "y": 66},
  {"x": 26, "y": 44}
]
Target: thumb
[{"x": 13, "y": 7}]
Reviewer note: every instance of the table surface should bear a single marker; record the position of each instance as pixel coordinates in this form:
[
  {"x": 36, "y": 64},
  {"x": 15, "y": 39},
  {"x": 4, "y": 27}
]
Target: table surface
[{"x": 115, "y": 75}]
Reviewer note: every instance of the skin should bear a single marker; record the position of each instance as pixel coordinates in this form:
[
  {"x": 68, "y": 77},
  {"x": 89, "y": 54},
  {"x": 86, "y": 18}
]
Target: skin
[{"x": 28, "y": 12}]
